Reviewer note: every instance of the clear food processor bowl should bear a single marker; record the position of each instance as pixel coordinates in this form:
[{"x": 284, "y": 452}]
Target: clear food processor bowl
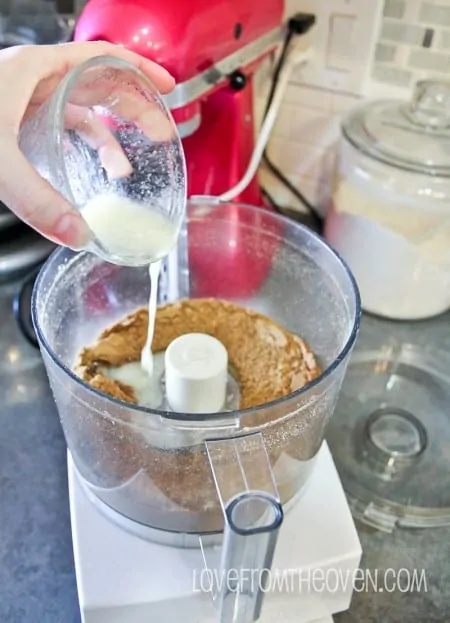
[{"x": 162, "y": 469}]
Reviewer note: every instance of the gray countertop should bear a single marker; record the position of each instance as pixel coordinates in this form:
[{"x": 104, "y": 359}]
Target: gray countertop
[{"x": 37, "y": 578}]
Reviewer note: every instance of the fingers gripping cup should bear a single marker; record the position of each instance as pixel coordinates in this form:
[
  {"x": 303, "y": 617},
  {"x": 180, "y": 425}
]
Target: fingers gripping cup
[{"x": 108, "y": 144}]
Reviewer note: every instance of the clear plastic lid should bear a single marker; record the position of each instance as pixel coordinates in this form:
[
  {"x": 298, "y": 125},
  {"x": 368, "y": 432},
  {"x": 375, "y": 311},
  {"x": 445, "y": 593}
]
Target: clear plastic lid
[
  {"x": 390, "y": 436},
  {"x": 414, "y": 136}
]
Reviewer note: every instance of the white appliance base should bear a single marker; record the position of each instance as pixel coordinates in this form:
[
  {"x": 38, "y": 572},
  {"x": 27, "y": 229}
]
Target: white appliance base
[{"x": 124, "y": 579}]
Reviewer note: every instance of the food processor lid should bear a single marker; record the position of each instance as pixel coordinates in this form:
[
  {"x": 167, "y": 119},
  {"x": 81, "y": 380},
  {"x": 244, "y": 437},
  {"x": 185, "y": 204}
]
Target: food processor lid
[
  {"x": 390, "y": 437},
  {"x": 413, "y": 135}
]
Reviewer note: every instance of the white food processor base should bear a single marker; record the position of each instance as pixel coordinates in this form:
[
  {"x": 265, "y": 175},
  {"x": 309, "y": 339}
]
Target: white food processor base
[{"x": 122, "y": 578}]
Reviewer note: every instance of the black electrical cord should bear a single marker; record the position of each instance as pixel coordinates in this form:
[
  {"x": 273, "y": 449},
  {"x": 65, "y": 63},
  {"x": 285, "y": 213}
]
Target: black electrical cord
[
  {"x": 271, "y": 200},
  {"x": 279, "y": 66},
  {"x": 297, "y": 25}
]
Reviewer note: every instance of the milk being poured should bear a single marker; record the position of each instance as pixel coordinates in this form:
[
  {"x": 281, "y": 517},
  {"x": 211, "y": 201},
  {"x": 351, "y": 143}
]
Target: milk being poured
[
  {"x": 130, "y": 230},
  {"x": 145, "y": 376},
  {"x": 147, "y": 356}
]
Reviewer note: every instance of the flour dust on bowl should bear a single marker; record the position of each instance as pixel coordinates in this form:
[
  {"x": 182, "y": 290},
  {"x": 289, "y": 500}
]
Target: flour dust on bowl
[{"x": 174, "y": 473}]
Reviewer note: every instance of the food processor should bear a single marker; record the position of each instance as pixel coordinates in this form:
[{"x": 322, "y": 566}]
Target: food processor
[{"x": 158, "y": 497}]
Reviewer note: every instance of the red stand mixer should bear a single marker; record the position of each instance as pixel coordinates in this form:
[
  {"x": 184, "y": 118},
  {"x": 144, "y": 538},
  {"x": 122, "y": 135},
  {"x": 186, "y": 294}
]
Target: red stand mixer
[{"x": 213, "y": 50}]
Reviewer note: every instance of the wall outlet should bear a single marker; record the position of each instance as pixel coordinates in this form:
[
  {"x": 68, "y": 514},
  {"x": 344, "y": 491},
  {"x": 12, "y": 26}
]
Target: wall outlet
[{"x": 343, "y": 40}]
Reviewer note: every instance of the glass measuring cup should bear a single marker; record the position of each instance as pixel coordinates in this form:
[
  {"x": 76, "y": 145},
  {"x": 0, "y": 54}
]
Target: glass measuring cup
[{"x": 106, "y": 141}]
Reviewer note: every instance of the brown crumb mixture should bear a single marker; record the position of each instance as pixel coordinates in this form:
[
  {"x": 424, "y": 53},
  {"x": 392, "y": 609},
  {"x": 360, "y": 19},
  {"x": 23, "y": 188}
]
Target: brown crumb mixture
[{"x": 267, "y": 361}]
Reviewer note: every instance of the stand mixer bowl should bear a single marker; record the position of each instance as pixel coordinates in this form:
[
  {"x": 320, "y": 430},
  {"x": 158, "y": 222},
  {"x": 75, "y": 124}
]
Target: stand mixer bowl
[{"x": 155, "y": 467}]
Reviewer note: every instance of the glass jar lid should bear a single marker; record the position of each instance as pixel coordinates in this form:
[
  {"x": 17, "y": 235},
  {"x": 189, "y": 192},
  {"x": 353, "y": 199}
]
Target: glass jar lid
[{"x": 413, "y": 136}]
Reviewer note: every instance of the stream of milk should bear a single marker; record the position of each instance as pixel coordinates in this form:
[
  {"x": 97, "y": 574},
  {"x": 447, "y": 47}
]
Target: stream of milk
[
  {"x": 147, "y": 356},
  {"x": 145, "y": 376}
]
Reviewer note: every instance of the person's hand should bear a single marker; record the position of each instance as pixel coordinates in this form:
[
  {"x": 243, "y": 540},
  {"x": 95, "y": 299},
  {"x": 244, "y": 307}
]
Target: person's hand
[{"x": 28, "y": 77}]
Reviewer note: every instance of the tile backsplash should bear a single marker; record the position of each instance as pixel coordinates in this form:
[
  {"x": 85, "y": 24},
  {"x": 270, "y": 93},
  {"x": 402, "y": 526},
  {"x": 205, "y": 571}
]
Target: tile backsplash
[
  {"x": 410, "y": 42},
  {"x": 417, "y": 34}
]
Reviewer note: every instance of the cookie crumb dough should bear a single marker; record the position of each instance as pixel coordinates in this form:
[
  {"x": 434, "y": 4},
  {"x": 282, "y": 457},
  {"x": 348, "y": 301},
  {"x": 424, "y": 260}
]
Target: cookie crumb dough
[{"x": 267, "y": 361}]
